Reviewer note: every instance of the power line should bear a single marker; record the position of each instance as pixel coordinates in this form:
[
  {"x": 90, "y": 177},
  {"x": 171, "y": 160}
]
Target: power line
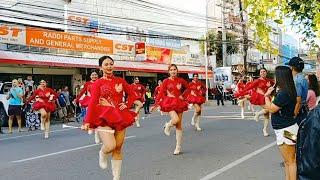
[
  {"x": 120, "y": 33},
  {"x": 115, "y": 17}
]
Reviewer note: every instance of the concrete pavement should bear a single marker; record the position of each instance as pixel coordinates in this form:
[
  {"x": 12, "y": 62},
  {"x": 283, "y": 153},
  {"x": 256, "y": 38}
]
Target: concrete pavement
[{"x": 228, "y": 148}]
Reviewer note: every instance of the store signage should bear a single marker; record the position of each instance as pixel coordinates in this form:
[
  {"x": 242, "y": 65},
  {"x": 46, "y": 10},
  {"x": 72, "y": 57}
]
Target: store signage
[
  {"x": 12, "y": 34},
  {"x": 85, "y": 21},
  {"x": 62, "y": 40},
  {"x": 158, "y": 55},
  {"x": 120, "y": 48},
  {"x": 163, "y": 42},
  {"x": 140, "y": 49},
  {"x": 179, "y": 57}
]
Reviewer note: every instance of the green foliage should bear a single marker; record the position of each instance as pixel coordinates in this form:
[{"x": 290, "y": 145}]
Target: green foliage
[
  {"x": 263, "y": 14},
  {"x": 215, "y": 45}
]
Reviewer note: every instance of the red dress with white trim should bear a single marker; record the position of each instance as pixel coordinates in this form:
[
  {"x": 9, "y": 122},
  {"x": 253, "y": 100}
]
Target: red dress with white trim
[
  {"x": 84, "y": 102},
  {"x": 104, "y": 106},
  {"x": 156, "y": 92},
  {"x": 139, "y": 91},
  {"x": 45, "y": 98},
  {"x": 258, "y": 88},
  {"x": 170, "y": 97},
  {"x": 195, "y": 93}
]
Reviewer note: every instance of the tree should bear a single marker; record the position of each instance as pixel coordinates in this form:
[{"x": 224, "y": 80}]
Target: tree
[
  {"x": 265, "y": 13},
  {"x": 214, "y": 43}
]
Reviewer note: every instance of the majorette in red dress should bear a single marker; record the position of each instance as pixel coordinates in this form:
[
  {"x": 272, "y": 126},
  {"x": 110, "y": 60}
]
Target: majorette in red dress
[
  {"x": 170, "y": 97},
  {"x": 195, "y": 93},
  {"x": 43, "y": 97},
  {"x": 240, "y": 86},
  {"x": 259, "y": 87},
  {"x": 84, "y": 102},
  {"x": 156, "y": 92},
  {"x": 106, "y": 97},
  {"x": 139, "y": 90}
]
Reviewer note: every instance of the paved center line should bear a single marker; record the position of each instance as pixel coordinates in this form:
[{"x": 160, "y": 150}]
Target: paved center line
[
  {"x": 60, "y": 152},
  {"x": 237, "y": 162}
]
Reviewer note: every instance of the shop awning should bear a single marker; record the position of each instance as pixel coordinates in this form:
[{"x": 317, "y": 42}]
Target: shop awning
[{"x": 9, "y": 57}]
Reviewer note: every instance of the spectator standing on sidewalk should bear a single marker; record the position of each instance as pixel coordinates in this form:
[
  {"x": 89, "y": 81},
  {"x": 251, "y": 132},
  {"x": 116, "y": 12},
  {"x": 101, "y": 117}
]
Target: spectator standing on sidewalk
[
  {"x": 1, "y": 121},
  {"x": 234, "y": 90},
  {"x": 219, "y": 95},
  {"x": 66, "y": 94},
  {"x": 62, "y": 106},
  {"x": 147, "y": 103},
  {"x": 15, "y": 97},
  {"x": 29, "y": 84},
  {"x": 301, "y": 109}
]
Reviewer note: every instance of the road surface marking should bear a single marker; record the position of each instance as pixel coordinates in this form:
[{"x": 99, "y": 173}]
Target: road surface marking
[
  {"x": 237, "y": 162},
  {"x": 16, "y": 137},
  {"x": 61, "y": 152}
]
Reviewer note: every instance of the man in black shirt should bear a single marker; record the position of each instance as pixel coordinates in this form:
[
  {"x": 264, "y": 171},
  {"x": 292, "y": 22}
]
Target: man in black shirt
[{"x": 219, "y": 95}]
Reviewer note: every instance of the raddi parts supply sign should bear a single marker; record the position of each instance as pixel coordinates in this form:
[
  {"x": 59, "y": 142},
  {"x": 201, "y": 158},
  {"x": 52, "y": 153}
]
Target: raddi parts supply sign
[
  {"x": 63, "y": 40},
  {"x": 12, "y": 34}
]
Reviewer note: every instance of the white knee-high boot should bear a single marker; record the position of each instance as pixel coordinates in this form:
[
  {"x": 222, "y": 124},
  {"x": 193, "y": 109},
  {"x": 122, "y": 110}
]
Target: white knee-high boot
[
  {"x": 96, "y": 137},
  {"x": 197, "y": 123},
  {"x": 167, "y": 128},
  {"x": 242, "y": 112},
  {"x": 258, "y": 114},
  {"x": 265, "y": 126},
  {"x": 177, "y": 151},
  {"x": 138, "y": 121},
  {"x": 47, "y": 129},
  {"x": 103, "y": 159},
  {"x": 193, "y": 119},
  {"x": 116, "y": 169}
]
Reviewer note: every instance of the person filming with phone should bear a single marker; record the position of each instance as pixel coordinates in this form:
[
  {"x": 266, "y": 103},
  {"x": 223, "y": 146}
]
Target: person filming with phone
[
  {"x": 15, "y": 97},
  {"x": 283, "y": 117}
]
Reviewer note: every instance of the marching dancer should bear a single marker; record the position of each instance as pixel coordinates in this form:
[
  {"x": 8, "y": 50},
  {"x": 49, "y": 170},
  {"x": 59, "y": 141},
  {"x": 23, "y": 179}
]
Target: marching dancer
[
  {"x": 140, "y": 91},
  {"x": 156, "y": 92},
  {"x": 250, "y": 106},
  {"x": 240, "y": 87},
  {"x": 110, "y": 115},
  {"x": 195, "y": 95},
  {"x": 84, "y": 96},
  {"x": 258, "y": 88},
  {"x": 45, "y": 104},
  {"x": 170, "y": 99}
]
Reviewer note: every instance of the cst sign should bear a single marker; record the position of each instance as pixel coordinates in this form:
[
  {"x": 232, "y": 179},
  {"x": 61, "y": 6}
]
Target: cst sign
[
  {"x": 125, "y": 49},
  {"x": 12, "y": 34},
  {"x": 9, "y": 31}
]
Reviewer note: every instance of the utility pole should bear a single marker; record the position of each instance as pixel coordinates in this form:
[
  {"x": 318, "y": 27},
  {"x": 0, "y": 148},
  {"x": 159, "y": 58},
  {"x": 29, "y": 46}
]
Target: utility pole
[
  {"x": 206, "y": 52},
  {"x": 245, "y": 37},
  {"x": 224, "y": 35}
]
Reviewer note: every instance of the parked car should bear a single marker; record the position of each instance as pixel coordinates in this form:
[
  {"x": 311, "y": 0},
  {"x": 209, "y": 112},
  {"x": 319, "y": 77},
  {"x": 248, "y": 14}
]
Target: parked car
[{"x": 4, "y": 104}]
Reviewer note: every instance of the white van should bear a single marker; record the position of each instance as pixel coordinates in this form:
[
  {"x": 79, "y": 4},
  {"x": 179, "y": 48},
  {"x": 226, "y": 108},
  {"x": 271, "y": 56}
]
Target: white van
[{"x": 4, "y": 104}]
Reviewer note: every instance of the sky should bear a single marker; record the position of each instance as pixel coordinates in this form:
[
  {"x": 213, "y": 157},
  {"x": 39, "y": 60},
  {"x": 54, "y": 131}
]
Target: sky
[{"x": 198, "y": 6}]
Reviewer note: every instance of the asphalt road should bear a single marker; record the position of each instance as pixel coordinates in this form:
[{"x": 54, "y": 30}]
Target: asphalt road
[{"x": 228, "y": 148}]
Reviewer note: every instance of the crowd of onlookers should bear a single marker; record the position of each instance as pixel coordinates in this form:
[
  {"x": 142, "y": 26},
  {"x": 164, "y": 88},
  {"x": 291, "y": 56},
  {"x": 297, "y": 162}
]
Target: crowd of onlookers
[{"x": 18, "y": 109}]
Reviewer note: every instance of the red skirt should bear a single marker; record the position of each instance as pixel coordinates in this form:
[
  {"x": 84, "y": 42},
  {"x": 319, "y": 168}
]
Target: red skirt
[
  {"x": 112, "y": 117},
  {"x": 48, "y": 106},
  {"x": 257, "y": 98},
  {"x": 168, "y": 104},
  {"x": 196, "y": 99},
  {"x": 85, "y": 101},
  {"x": 141, "y": 99}
]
